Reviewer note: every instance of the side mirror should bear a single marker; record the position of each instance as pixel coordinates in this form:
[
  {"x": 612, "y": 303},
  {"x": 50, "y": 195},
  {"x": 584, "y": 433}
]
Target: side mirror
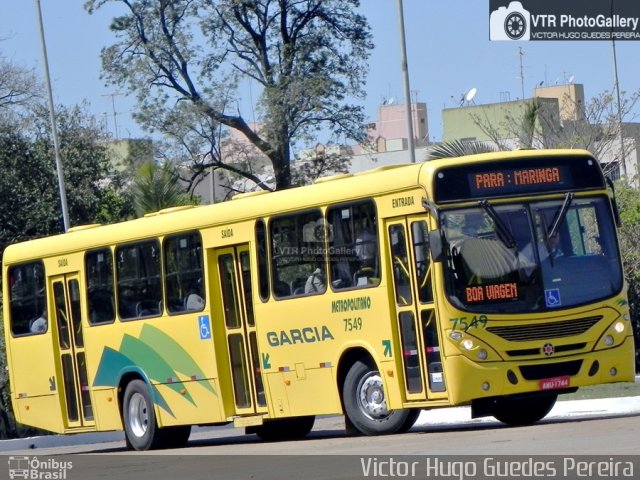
[{"x": 435, "y": 245}]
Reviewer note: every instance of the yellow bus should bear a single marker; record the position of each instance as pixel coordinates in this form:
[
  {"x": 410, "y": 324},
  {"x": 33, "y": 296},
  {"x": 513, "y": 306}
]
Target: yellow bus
[{"x": 491, "y": 280}]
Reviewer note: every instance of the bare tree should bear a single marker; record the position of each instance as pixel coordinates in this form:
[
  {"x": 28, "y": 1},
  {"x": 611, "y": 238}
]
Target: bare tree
[
  {"x": 306, "y": 56},
  {"x": 18, "y": 86}
]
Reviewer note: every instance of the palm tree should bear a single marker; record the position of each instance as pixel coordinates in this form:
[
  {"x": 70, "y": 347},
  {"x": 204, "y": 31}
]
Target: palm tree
[
  {"x": 457, "y": 148},
  {"x": 158, "y": 186}
]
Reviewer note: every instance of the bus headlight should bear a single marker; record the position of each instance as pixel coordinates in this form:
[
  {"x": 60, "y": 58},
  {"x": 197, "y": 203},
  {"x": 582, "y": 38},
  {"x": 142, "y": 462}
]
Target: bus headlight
[
  {"x": 614, "y": 336},
  {"x": 472, "y": 347}
]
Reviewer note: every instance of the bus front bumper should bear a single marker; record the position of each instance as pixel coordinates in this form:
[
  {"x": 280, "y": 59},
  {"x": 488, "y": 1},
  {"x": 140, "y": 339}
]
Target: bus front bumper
[{"x": 468, "y": 380}]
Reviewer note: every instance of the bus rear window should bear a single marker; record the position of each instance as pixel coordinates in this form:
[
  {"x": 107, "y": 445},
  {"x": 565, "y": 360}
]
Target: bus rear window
[{"x": 27, "y": 298}]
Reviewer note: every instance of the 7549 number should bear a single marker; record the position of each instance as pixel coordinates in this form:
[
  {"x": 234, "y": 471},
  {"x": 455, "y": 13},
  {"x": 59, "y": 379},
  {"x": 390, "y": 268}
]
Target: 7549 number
[
  {"x": 351, "y": 324},
  {"x": 465, "y": 323}
]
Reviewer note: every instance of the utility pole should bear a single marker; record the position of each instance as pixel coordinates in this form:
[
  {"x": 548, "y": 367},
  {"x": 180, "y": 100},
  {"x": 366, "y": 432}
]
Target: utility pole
[
  {"x": 623, "y": 156},
  {"x": 407, "y": 91},
  {"x": 113, "y": 106},
  {"x": 521, "y": 72},
  {"x": 52, "y": 118}
]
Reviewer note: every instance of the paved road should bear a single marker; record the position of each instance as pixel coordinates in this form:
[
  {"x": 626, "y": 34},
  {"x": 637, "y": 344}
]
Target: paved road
[{"x": 227, "y": 439}]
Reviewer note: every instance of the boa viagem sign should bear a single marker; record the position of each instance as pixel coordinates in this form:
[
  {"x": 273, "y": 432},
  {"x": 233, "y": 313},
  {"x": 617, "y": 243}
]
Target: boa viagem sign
[{"x": 564, "y": 20}]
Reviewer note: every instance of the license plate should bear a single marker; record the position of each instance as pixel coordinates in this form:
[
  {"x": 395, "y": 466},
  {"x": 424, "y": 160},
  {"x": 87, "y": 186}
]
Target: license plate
[{"x": 554, "y": 383}]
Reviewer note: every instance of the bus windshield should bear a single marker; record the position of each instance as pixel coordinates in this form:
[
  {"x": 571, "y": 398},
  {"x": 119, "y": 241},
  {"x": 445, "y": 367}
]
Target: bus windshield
[{"x": 532, "y": 256}]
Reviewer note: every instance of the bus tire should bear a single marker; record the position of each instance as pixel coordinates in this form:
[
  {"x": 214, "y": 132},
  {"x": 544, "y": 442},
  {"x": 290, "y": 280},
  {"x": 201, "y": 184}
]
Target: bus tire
[
  {"x": 365, "y": 405},
  {"x": 284, "y": 429},
  {"x": 519, "y": 411},
  {"x": 139, "y": 417}
]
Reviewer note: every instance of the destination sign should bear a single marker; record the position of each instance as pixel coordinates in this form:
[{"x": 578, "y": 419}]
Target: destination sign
[
  {"x": 517, "y": 176},
  {"x": 491, "y": 293},
  {"x": 506, "y": 181}
]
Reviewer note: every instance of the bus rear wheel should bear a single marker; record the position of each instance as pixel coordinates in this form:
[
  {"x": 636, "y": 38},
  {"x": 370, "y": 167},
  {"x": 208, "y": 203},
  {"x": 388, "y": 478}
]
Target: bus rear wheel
[
  {"x": 365, "y": 404},
  {"x": 139, "y": 417},
  {"x": 519, "y": 411}
]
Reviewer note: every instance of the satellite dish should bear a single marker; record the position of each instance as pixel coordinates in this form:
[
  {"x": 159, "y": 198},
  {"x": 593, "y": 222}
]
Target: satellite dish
[
  {"x": 391, "y": 101},
  {"x": 471, "y": 94},
  {"x": 571, "y": 78}
]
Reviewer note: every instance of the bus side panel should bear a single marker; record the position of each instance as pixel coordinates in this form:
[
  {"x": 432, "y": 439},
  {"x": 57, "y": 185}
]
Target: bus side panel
[
  {"x": 277, "y": 394},
  {"x": 35, "y": 382},
  {"x": 311, "y": 391},
  {"x": 308, "y": 339},
  {"x": 202, "y": 405},
  {"x": 169, "y": 353},
  {"x": 106, "y": 409}
]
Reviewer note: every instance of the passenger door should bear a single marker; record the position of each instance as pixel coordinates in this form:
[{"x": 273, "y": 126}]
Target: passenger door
[
  {"x": 415, "y": 308},
  {"x": 234, "y": 273},
  {"x": 75, "y": 395}
]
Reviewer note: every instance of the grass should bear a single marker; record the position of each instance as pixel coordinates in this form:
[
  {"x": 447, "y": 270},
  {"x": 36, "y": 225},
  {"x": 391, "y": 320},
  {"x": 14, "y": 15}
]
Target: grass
[{"x": 609, "y": 390}]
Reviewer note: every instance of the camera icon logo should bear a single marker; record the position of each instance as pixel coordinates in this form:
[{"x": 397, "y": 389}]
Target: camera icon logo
[
  {"x": 317, "y": 231},
  {"x": 510, "y": 23}
]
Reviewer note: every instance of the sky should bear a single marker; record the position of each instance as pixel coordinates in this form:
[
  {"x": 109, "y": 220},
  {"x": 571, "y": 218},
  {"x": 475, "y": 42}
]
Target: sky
[{"x": 448, "y": 53}]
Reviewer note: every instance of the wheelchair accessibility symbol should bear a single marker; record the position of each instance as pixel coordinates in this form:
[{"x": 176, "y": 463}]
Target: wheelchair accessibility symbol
[
  {"x": 552, "y": 297},
  {"x": 205, "y": 328}
]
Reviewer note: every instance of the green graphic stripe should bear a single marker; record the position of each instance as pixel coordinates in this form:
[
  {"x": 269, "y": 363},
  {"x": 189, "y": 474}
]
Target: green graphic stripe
[
  {"x": 151, "y": 362},
  {"x": 180, "y": 360}
]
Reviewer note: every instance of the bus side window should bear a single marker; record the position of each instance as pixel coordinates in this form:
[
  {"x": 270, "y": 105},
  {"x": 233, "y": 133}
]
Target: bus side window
[
  {"x": 100, "y": 296},
  {"x": 354, "y": 252},
  {"x": 263, "y": 260},
  {"x": 139, "y": 286},
  {"x": 27, "y": 301},
  {"x": 298, "y": 254},
  {"x": 183, "y": 273}
]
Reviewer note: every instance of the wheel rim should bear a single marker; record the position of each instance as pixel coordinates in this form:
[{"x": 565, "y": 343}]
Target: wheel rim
[
  {"x": 138, "y": 415},
  {"x": 371, "y": 397}
]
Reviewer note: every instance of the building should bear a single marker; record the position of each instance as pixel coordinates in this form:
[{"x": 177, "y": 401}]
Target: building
[
  {"x": 389, "y": 133},
  {"x": 562, "y": 120}
]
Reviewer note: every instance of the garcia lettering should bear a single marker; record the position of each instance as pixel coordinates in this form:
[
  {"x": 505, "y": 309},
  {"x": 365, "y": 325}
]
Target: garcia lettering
[{"x": 303, "y": 335}]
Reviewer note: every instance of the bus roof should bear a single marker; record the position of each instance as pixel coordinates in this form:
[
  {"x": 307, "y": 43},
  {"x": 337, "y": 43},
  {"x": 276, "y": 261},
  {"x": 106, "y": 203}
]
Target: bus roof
[
  {"x": 342, "y": 188},
  {"x": 171, "y": 220}
]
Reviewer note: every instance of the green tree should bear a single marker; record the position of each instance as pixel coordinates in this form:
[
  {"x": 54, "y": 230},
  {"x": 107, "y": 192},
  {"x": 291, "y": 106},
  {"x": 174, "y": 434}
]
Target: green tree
[
  {"x": 30, "y": 204},
  {"x": 158, "y": 186},
  {"x": 628, "y": 201},
  {"x": 306, "y": 58}
]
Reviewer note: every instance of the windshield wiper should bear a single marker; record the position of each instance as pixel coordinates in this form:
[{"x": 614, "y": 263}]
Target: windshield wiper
[
  {"x": 502, "y": 231},
  {"x": 546, "y": 236},
  {"x": 560, "y": 215}
]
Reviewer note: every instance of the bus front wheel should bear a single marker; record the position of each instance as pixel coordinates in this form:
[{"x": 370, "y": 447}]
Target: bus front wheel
[
  {"x": 140, "y": 425},
  {"x": 366, "y": 406},
  {"x": 518, "y": 411}
]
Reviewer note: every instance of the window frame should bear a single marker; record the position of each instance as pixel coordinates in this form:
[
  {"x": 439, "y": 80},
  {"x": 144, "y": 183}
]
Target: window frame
[
  {"x": 139, "y": 301},
  {"x": 40, "y": 300},
  {"x": 87, "y": 254}
]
